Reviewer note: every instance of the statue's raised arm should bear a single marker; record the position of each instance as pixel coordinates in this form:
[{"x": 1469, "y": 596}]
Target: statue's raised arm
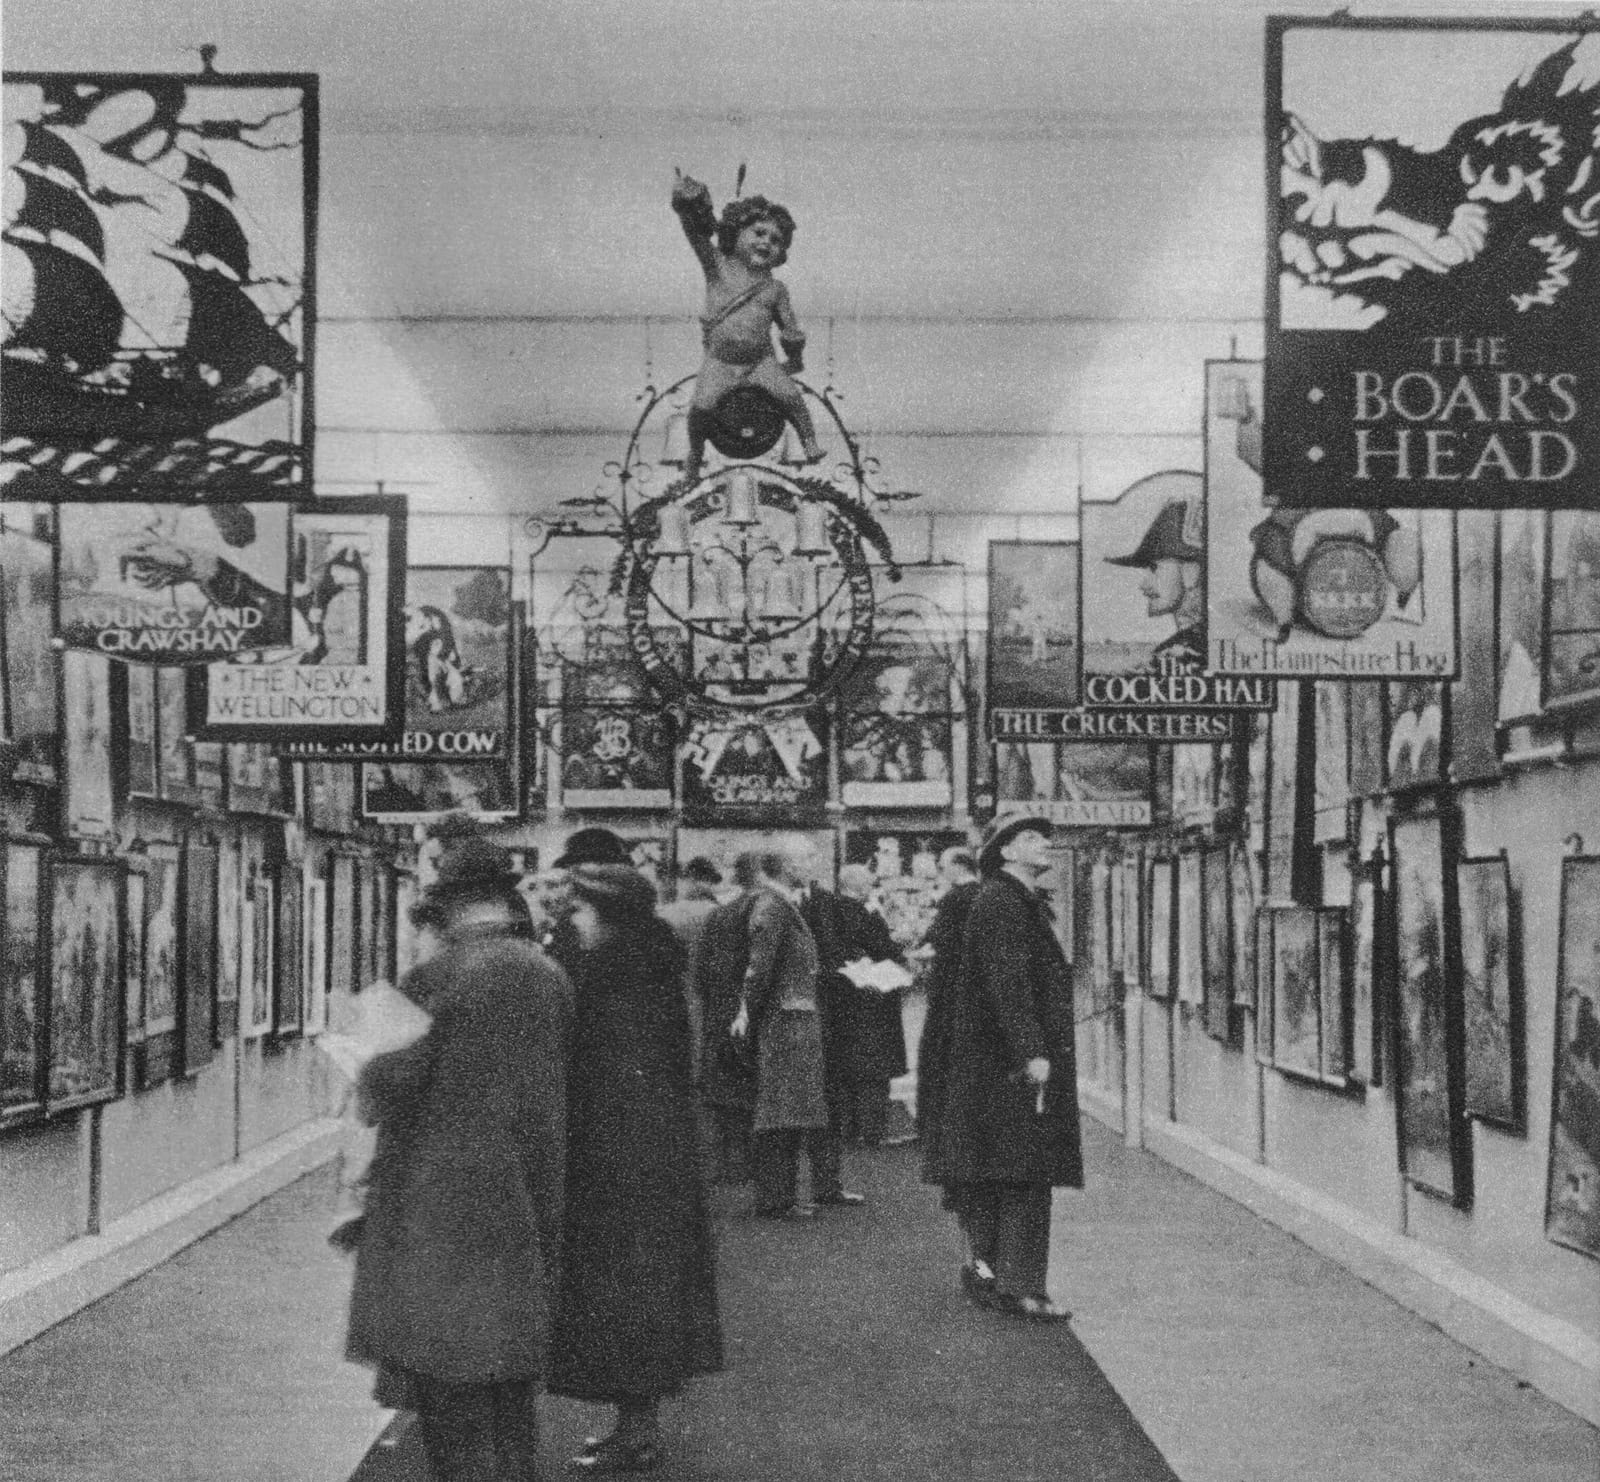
[{"x": 691, "y": 199}]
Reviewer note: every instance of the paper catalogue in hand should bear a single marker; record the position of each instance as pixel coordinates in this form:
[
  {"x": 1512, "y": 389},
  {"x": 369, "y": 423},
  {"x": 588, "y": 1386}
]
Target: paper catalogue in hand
[
  {"x": 380, "y": 1019},
  {"x": 881, "y": 977}
]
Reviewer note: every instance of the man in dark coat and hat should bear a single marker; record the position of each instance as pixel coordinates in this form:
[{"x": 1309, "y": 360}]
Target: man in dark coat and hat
[
  {"x": 1009, "y": 1133},
  {"x": 1174, "y": 568},
  {"x": 457, "y": 1265}
]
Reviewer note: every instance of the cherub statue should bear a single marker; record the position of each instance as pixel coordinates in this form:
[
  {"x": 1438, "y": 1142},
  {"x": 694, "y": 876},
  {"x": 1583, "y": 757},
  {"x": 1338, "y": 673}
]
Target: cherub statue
[{"x": 743, "y": 303}]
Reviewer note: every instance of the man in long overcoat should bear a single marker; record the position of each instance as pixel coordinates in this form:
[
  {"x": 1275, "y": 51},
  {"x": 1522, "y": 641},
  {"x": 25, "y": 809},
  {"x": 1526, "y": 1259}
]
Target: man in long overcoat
[
  {"x": 946, "y": 940},
  {"x": 457, "y": 1265},
  {"x": 779, "y": 1011},
  {"x": 1010, "y": 1131}
]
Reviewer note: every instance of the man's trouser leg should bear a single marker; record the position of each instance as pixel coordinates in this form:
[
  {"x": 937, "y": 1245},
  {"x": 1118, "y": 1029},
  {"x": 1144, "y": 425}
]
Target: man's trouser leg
[
  {"x": 479, "y": 1432},
  {"x": 1008, "y": 1227},
  {"x": 825, "y": 1158},
  {"x": 777, "y": 1160}
]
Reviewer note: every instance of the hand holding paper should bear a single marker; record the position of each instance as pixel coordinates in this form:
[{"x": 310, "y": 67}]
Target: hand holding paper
[{"x": 880, "y": 977}]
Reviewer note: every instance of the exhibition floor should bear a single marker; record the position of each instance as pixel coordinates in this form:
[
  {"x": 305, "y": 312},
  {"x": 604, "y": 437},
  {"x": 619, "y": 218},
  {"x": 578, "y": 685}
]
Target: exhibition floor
[{"x": 1205, "y": 1345}]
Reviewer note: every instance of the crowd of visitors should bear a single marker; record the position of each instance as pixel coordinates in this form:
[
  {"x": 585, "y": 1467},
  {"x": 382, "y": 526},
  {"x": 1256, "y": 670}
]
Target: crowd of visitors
[{"x": 535, "y": 1214}]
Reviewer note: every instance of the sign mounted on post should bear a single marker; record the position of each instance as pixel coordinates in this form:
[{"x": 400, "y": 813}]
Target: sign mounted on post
[
  {"x": 1144, "y": 622},
  {"x": 1433, "y": 317},
  {"x": 1317, "y": 593}
]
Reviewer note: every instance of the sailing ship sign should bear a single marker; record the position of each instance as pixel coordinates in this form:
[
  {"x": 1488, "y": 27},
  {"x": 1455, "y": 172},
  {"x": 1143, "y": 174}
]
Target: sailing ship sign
[{"x": 158, "y": 302}]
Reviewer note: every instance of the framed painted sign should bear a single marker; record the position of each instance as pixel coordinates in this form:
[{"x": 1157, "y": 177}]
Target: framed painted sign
[
  {"x": 616, "y": 758},
  {"x": 166, "y": 335},
  {"x": 314, "y": 961},
  {"x": 1418, "y": 734},
  {"x": 288, "y": 989},
  {"x": 1034, "y": 669},
  {"x": 1572, "y": 611},
  {"x": 1189, "y": 910},
  {"x": 89, "y": 799},
  {"x": 1216, "y": 906},
  {"x": 1427, "y": 344},
  {"x": 135, "y": 923},
  {"x": 163, "y": 964},
  {"x": 174, "y": 582},
  {"x": 1474, "y": 754},
  {"x": 1331, "y": 773},
  {"x": 232, "y": 928},
  {"x": 197, "y": 1006},
  {"x": 1491, "y": 988},
  {"x": 1572, "y": 1205},
  {"x": 31, "y": 663},
  {"x": 1348, "y": 593},
  {"x": 1427, "y": 1028},
  {"x": 1524, "y": 558},
  {"x": 139, "y": 749},
  {"x": 85, "y": 955},
  {"x": 1296, "y": 993},
  {"x": 1243, "y": 894},
  {"x": 758, "y": 770},
  {"x": 1076, "y": 784},
  {"x": 1160, "y": 939},
  {"x": 22, "y": 1029},
  {"x": 342, "y": 676}
]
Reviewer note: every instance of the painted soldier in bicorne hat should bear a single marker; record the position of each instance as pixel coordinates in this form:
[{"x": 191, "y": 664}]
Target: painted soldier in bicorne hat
[{"x": 1174, "y": 564}]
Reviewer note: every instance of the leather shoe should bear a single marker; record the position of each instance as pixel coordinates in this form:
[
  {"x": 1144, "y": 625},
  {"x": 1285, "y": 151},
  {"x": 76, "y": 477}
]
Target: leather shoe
[
  {"x": 789, "y": 1212},
  {"x": 616, "y": 1455},
  {"x": 843, "y": 1196},
  {"x": 1031, "y": 1309}
]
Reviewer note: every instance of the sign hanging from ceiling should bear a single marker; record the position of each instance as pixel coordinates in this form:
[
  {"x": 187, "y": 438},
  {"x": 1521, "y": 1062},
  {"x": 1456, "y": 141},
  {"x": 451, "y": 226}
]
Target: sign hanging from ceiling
[
  {"x": 160, "y": 293},
  {"x": 1433, "y": 313}
]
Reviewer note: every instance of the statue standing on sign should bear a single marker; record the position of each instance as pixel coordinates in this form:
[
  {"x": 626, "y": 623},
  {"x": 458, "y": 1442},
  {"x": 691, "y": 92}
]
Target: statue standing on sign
[{"x": 741, "y": 384}]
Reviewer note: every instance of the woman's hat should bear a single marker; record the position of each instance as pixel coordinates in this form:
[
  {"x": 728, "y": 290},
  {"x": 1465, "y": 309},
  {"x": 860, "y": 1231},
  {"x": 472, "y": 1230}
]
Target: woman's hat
[
  {"x": 592, "y": 846},
  {"x": 700, "y": 868},
  {"x": 1002, "y": 831},
  {"x": 614, "y": 889}
]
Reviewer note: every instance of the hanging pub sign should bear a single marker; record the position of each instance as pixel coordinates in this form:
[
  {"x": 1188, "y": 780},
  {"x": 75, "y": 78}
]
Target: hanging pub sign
[
  {"x": 460, "y": 643},
  {"x": 160, "y": 300},
  {"x": 341, "y": 677},
  {"x": 1144, "y": 622},
  {"x": 756, "y": 769},
  {"x": 1034, "y": 656},
  {"x": 172, "y": 582},
  {"x": 1317, "y": 593},
  {"x": 1081, "y": 785},
  {"x": 1432, "y": 318}
]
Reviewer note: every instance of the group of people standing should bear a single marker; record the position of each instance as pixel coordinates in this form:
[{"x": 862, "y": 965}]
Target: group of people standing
[
  {"x": 535, "y": 1214},
  {"x": 795, "y": 1056}
]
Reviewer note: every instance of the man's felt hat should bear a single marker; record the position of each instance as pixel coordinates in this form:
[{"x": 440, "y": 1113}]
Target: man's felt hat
[
  {"x": 472, "y": 869},
  {"x": 1002, "y": 831},
  {"x": 593, "y": 846},
  {"x": 700, "y": 868},
  {"x": 613, "y": 889},
  {"x": 1165, "y": 540}
]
